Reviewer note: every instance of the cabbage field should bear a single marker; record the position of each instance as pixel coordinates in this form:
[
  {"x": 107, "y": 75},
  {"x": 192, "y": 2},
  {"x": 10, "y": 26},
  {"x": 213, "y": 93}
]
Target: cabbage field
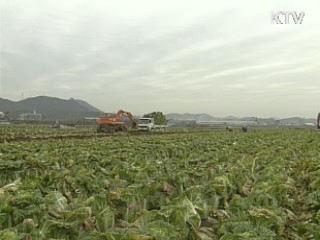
[
  {"x": 264, "y": 184},
  {"x": 29, "y": 132}
]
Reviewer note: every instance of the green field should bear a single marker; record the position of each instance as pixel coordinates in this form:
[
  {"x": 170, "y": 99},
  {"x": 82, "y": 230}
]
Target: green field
[
  {"x": 264, "y": 184},
  {"x": 23, "y": 131}
]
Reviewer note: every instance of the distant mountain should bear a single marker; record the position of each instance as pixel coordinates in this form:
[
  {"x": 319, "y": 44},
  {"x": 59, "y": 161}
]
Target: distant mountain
[
  {"x": 50, "y": 108},
  {"x": 190, "y": 117},
  {"x": 297, "y": 121},
  {"x": 6, "y": 103},
  {"x": 230, "y": 119},
  {"x": 89, "y": 107}
]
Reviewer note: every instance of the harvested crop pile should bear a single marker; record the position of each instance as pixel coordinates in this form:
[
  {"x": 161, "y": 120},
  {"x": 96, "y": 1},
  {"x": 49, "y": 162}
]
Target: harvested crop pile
[{"x": 159, "y": 117}]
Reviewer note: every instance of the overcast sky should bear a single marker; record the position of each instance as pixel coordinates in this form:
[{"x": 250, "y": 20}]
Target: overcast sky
[{"x": 217, "y": 57}]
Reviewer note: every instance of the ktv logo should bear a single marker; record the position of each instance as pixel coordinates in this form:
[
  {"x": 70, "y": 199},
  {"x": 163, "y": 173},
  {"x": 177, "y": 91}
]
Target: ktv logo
[{"x": 284, "y": 17}]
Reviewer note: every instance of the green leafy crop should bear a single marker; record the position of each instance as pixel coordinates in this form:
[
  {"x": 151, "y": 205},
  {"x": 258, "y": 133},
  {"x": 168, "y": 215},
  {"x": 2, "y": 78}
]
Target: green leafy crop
[{"x": 264, "y": 184}]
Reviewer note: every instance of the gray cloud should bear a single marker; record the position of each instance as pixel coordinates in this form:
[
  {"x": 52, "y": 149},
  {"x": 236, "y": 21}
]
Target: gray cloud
[{"x": 175, "y": 56}]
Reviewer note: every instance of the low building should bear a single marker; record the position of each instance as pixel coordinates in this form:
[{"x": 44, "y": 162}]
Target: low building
[{"x": 34, "y": 116}]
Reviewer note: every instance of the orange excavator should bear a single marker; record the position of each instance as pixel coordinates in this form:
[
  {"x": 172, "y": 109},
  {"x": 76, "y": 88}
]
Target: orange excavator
[{"x": 111, "y": 123}]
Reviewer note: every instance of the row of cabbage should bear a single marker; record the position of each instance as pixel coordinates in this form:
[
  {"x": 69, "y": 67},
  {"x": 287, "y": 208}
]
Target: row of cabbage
[
  {"x": 259, "y": 185},
  {"x": 23, "y": 131}
]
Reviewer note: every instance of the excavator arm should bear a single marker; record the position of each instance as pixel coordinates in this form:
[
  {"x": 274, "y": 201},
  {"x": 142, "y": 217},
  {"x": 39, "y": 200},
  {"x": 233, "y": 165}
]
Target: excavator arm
[
  {"x": 114, "y": 123},
  {"x": 121, "y": 113}
]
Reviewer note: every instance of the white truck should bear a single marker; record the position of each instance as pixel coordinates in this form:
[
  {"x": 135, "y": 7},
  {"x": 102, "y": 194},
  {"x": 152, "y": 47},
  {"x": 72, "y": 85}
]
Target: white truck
[{"x": 148, "y": 124}]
